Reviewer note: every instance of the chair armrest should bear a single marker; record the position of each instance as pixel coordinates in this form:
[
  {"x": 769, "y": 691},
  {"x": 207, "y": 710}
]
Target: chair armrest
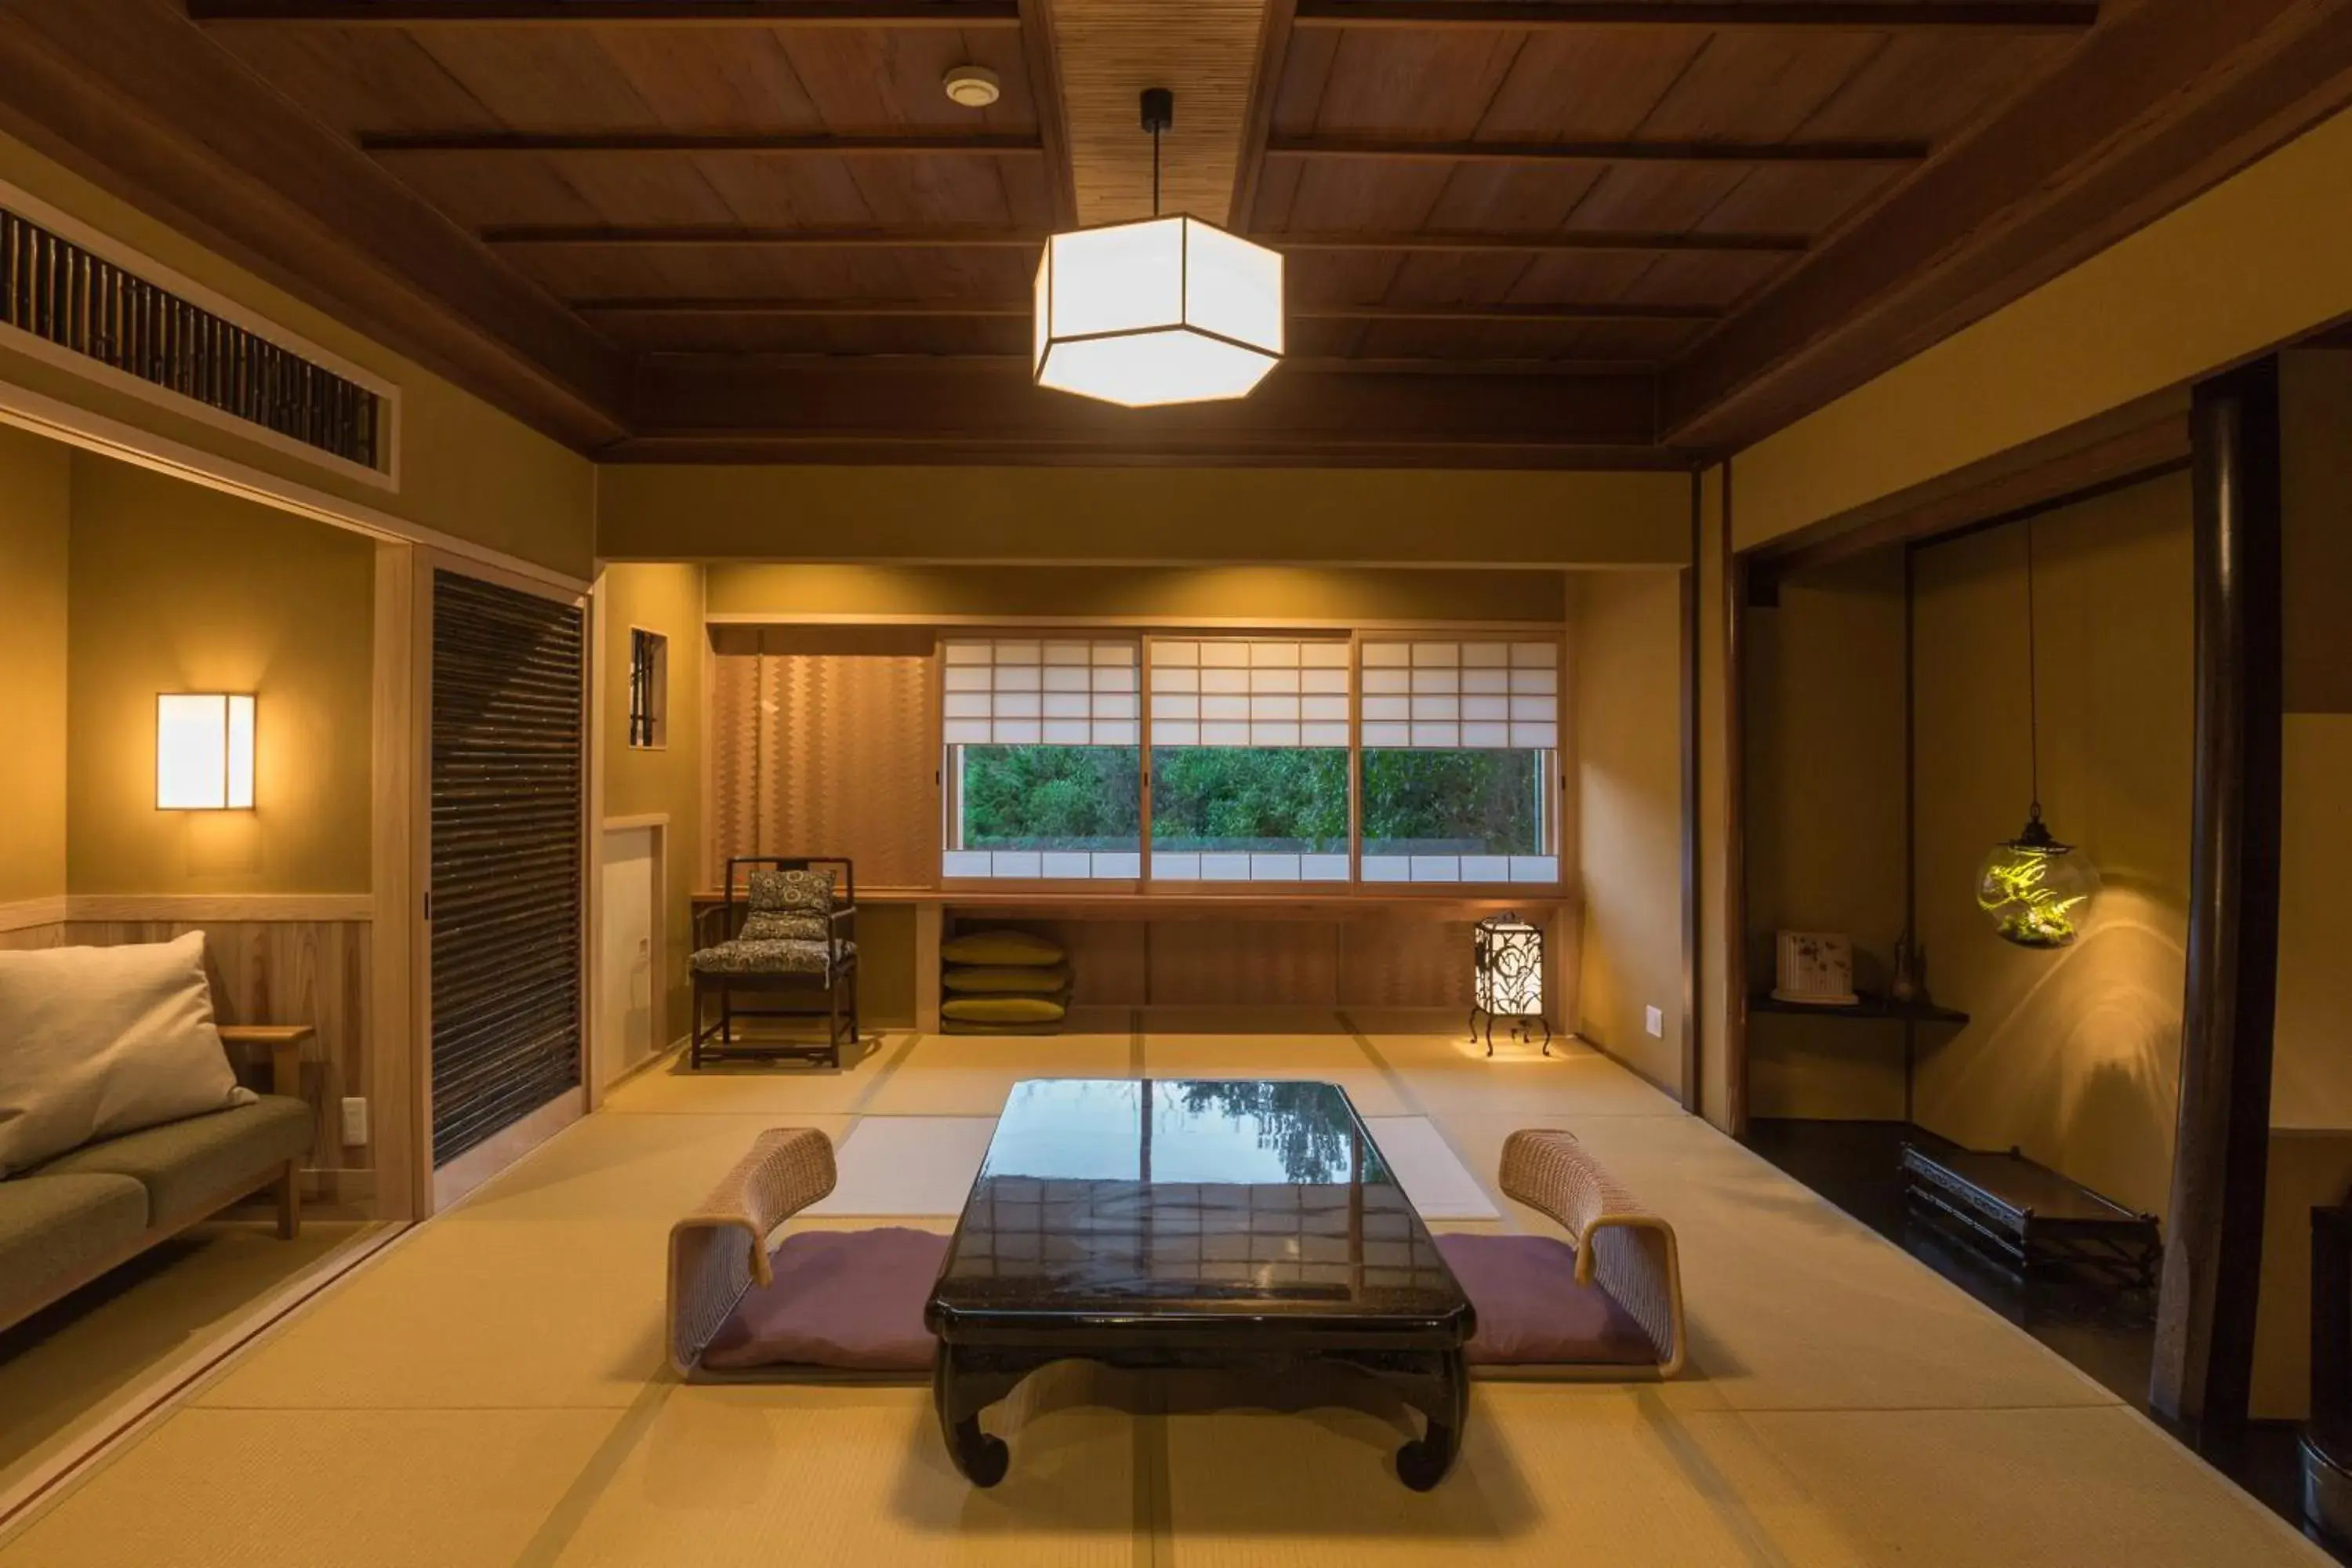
[
  {"x": 284, "y": 1042},
  {"x": 721, "y": 1250},
  {"x": 711, "y": 925},
  {"x": 1630, "y": 1251}
]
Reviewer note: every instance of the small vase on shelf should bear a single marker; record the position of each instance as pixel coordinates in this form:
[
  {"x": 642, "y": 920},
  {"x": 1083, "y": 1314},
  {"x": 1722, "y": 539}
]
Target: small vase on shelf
[{"x": 1905, "y": 984}]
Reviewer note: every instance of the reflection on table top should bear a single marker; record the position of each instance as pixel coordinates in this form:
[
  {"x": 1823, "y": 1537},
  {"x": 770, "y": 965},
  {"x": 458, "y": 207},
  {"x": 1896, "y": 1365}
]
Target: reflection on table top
[{"x": 1191, "y": 1197}]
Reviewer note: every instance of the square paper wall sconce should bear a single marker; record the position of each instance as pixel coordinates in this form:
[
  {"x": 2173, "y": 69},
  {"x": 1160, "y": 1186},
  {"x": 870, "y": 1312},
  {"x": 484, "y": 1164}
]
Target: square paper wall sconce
[{"x": 203, "y": 751}]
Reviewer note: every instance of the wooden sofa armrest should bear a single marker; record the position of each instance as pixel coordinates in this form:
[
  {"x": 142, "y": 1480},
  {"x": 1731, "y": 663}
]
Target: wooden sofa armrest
[
  {"x": 721, "y": 1250},
  {"x": 1629, "y": 1250},
  {"x": 284, "y": 1042}
]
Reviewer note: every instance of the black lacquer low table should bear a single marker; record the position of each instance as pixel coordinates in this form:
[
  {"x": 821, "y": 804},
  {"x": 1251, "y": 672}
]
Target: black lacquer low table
[{"x": 1246, "y": 1225}]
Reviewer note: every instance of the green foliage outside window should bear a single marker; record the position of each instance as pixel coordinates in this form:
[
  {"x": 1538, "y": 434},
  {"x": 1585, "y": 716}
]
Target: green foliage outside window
[
  {"x": 1212, "y": 797},
  {"x": 1461, "y": 803},
  {"x": 1051, "y": 797},
  {"x": 1231, "y": 797}
]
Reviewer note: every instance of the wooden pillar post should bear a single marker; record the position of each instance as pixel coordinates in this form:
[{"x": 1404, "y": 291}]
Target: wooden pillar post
[{"x": 2212, "y": 1255}]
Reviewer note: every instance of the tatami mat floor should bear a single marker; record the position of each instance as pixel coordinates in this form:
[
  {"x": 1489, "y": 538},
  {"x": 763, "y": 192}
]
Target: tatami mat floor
[{"x": 490, "y": 1390}]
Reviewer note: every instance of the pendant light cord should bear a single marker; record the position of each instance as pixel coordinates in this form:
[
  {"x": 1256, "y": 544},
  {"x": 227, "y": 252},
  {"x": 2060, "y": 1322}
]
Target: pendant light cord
[
  {"x": 2032, "y": 679},
  {"x": 1155, "y": 171}
]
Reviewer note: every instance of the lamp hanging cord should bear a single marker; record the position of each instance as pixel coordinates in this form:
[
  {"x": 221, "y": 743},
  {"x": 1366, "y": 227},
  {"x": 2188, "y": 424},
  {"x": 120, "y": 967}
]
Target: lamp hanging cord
[{"x": 1159, "y": 114}]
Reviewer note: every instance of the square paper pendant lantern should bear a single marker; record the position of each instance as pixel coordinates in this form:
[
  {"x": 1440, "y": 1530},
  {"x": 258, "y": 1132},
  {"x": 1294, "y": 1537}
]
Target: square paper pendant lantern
[
  {"x": 1170, "y": 310},
  {"x": 203, "y": 751},
  {"x": 1506, "y": 954}
]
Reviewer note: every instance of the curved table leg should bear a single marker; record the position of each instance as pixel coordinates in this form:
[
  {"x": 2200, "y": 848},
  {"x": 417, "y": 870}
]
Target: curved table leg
[
  {"x": 1424, "y": 1462},
  {"x": 959, "y": 1392}
]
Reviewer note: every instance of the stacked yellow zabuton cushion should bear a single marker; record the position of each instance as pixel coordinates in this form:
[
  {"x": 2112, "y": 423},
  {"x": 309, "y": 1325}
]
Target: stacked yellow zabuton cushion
[{"x": 1004, "y": 979}]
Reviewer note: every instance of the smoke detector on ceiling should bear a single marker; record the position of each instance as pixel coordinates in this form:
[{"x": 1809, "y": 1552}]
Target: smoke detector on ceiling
[{"x": 973, "y": 87}]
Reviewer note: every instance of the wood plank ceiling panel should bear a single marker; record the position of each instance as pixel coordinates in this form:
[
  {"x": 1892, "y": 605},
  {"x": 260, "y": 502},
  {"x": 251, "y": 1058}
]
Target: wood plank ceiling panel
[
  {"x": 356, "y": 80},
  {"x": 1110, "y": 51}
]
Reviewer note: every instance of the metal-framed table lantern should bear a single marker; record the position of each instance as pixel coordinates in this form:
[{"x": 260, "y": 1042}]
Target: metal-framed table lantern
[{"x": 1508, "y": 959}]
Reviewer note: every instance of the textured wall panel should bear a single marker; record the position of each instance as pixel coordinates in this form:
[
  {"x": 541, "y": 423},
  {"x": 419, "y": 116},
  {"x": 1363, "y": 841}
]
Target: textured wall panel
[{"x": 825, "y": 744}]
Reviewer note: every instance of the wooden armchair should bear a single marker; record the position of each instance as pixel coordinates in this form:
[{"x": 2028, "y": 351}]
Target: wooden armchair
[{"x": 788, "y": 928}]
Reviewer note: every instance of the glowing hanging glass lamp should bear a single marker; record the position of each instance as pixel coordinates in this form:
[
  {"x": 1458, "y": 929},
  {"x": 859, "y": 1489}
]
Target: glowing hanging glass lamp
[
  {"x": 1169, "y": 310},
  {"x": 2036, "y": 890}
]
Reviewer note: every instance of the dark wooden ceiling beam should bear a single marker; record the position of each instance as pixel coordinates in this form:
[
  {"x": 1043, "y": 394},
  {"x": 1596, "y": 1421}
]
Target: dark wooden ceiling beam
[
  {"x": 440, "y": 14},
  {"x": 989, "y": 309},
  {"x": 699, "y": 237},
  {"x": 1908, "y": 16},
  {"x": 131, "y": 96},
  {"x": 1257, "y": 115},
  {"x": 704, "y": 237},
  {"x": 1044, "y": 68},
  {"x": 2163, "y": 101},
  {"x": 492, "y": 144},
  {"x": 1661, "y": 152},
  {"x": 901, "y": 408},
  {"x": 1563, "y": 242}
]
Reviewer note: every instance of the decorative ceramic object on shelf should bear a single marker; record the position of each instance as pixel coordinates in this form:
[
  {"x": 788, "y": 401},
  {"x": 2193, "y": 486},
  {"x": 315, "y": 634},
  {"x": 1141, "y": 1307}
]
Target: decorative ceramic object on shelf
[
  {"x": 1904, "y": 987},
  {"x": 1816, "y": 968}
]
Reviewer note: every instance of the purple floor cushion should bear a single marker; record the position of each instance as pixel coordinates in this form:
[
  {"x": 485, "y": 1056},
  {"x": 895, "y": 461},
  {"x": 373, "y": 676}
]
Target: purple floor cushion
[
  {"x": 1532, "y": 1313},
  {"x": 850, "y": 1300}
]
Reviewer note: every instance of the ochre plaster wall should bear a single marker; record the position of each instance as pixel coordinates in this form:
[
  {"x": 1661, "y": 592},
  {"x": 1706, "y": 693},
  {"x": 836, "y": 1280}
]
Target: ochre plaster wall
[
  {"x": 2072, "y": 1055},
  {"x": 179, "y": 588},
  {"x": 667, "y": 780},
  {"x": 468, "y": 471},
  {"x": 2254, "y": 262},
  {"x": 1625, "y": 714},
  {"x": 35, "y": 520},
  {"x": 1823, "y": 678},
  {"x": 2311, "y": 1080},
  {"x": 1180, "y": 594},
  {"x": 1143, "y": 516}
]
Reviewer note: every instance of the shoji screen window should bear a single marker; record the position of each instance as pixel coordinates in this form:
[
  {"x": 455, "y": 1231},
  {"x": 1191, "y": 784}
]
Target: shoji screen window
[
  {"x": 1461, "y": 761},
  {"x": 1043, "y": 771},
  {"x": 1249, "y": 761}
]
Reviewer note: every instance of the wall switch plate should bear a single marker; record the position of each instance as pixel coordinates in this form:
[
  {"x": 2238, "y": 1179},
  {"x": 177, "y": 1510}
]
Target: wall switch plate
[
  {"x": 1652, "y": 1020},
  {"x": 355, "y": 1121}
]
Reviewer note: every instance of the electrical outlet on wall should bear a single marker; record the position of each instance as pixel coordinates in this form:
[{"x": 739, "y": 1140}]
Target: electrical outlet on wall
[
  {"x": 1654, "y": 1020},
  {"x": 355, "y": 1121}
]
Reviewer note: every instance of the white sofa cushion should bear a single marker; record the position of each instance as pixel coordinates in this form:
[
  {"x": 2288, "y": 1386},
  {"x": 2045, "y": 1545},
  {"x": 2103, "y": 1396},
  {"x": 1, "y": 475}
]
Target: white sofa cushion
[{"x": 99, "y": 1041}]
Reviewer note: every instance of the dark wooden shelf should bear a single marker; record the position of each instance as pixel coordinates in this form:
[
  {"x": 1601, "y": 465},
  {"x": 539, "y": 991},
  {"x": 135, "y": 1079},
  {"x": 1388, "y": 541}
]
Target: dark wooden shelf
[{"x": 1882, "y": 1008}]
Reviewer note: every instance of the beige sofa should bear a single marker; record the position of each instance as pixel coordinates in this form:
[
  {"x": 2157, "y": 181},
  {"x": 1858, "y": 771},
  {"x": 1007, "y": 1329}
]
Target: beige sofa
[{"x": 70, "y": 1219}]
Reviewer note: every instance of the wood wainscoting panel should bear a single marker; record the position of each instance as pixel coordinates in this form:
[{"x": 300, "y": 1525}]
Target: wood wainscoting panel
[
  {"x": 25, "y": 939},
  {"x": 1244, "y": 963},
  {"x": 822, "y": 742},
  {"x": 1405, "y": 963},
  {"x": 287, "y": 972}
]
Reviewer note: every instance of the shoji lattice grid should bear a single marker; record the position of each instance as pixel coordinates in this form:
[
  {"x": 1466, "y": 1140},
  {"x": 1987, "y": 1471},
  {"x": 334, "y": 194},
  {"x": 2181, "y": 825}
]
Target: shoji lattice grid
[
  {"x": 1248, "y": 692},
  {"x": 1003, "y": 691},
  {"x": 1241, "y": 692},
  {"x": 1431, "y": 694}
]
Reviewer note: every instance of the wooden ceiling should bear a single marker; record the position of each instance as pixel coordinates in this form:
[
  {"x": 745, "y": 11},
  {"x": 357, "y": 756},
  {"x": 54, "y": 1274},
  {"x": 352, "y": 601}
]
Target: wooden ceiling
[{"x": 1518, "y": 231}]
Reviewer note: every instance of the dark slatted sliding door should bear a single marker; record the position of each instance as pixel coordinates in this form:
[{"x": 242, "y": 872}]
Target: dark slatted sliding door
[{"x": 507, "y": 733}]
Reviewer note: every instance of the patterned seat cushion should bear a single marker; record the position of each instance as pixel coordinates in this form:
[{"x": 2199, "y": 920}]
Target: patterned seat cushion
[
  {"x": 789, "y": 906},
  {"x": 787, "y": 955}
]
